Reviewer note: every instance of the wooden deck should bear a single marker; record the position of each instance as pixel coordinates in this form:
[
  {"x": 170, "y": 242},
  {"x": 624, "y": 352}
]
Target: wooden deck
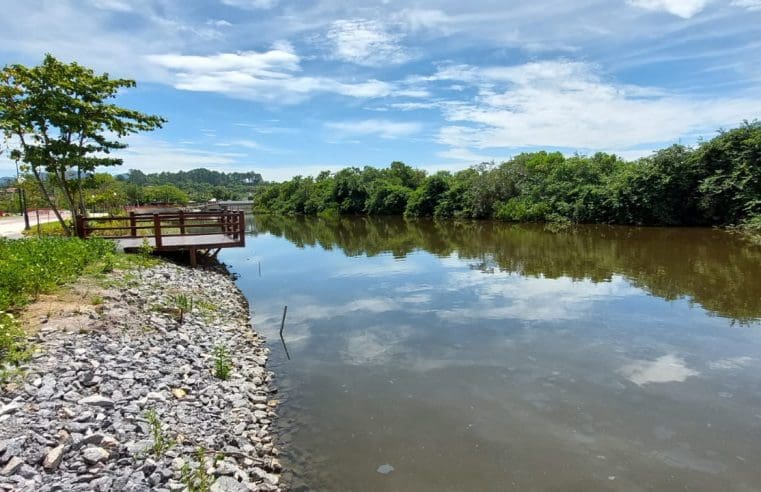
[
  {"x": 199, "y": 232},
  {"x": 179, "y": 242}
]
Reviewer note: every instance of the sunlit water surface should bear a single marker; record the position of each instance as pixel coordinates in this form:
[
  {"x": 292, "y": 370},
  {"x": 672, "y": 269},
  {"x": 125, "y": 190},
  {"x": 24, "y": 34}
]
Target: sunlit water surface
[{"x": 484, "y": 356}]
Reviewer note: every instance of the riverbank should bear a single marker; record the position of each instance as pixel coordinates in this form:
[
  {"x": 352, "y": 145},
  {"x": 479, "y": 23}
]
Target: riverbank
[{"x": 156, "y": 382}]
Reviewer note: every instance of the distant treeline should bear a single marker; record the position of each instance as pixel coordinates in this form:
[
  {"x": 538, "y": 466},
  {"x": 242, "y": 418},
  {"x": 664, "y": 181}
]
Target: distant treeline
[
  {"x": 198, "y": 184},
  {"x": 716, "y": 183},
  {"x": 104, "y": 192}
]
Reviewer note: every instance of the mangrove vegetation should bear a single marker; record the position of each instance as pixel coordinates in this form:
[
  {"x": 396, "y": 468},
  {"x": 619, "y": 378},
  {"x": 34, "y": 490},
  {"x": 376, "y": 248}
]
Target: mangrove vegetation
[{"x": 718, "y": 182}]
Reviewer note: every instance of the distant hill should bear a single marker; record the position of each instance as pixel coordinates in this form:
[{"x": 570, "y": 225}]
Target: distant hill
[{"x": 201, "y": 184}]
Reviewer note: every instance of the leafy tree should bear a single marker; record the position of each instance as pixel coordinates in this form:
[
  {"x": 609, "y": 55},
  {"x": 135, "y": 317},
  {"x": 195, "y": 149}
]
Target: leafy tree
[
  {"x": 165, "y": 194},
  {"x": 63, "y": 125}
]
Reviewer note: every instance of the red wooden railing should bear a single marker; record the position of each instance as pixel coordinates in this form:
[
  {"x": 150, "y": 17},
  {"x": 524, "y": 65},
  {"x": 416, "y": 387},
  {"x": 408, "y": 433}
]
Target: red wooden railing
[{"x": 165, "y": 224}]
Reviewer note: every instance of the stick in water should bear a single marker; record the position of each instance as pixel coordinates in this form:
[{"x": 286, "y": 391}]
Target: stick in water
[{"x": 282, "y": 323}]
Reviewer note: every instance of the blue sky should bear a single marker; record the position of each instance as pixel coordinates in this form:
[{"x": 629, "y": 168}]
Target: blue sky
[{"x": 293, "y": 87}]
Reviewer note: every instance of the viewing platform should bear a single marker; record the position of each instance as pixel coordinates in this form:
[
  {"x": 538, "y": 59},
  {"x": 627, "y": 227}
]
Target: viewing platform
[{"x": 204, "y": 233}]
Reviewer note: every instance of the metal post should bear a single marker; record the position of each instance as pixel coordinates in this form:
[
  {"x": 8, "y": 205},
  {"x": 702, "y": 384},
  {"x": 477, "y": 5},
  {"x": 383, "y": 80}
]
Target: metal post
[{"x": 24, "y": 210}]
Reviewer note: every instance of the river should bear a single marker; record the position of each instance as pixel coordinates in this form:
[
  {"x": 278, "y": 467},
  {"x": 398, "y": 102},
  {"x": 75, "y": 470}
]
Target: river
[{"x": 428, "y": 355}]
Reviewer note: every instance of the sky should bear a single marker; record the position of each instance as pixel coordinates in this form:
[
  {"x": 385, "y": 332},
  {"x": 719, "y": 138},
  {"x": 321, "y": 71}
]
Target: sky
[{"x": 288, "y": 88}]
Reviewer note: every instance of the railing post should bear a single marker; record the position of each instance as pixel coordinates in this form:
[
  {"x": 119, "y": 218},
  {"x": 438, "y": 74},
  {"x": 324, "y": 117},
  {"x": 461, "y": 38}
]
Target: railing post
[
  {"x": 241, "y": 227},
  {"x": 182, "y": 222},
  {"x": 157, "y": 229},
  {"x": 80, "y": 225},
  {"x": 133, "y": 224}
]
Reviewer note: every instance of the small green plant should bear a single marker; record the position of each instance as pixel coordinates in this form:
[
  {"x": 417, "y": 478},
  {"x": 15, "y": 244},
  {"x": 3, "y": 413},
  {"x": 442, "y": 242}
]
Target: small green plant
[
  {"x": 161, "y": 440},
  {"x": 109, "y": 262},
  {"x": 222, "y": 362},
  {"x": 184, "y": 304},
  {"x": 197, "y": 478},
  {"x": 96, "y": 300},
  {"x": 13, "y": 346}
]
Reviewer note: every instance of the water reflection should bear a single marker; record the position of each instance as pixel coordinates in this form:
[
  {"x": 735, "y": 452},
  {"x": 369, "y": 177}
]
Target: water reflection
[
  {"x": 717, "y": 270},
  {"x": 483, "y": 356}
]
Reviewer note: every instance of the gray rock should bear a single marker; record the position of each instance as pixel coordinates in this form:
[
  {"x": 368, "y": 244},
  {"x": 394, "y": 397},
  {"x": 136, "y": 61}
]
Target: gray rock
[
  {"x": 97, "y": 401},
  {"x": 227, "y": 484},
  {"x": 226, "y": 468},
  {"x": 102, "y": 484},
  {"x": 94, "y": 455},
  {"x": 11, "y": 467},
  {"x": 10, "y": 408},
  {"x": 53, "y": 458},
  {"x": 27, "y": 472},
  {"x": 11, "y": 447}
]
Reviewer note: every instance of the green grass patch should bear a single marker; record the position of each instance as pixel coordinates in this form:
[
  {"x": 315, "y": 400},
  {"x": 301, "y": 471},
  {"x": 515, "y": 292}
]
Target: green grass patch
[{"x": 34, "y": 266}]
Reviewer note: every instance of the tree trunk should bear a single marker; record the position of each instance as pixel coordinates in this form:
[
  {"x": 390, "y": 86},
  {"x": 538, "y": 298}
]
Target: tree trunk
[{"x": 48, "y": 199}]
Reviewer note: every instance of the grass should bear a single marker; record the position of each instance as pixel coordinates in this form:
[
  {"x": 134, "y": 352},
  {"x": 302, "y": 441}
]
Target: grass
[
  {"x": 184, "y": 304},
  {"x": 32, "y": 267},
  {"x": 222, "y": 362},
  {"x": 161, "y": 440},
  {"x": 13, "y": 348},
  {"x": 197, "y": 478}
]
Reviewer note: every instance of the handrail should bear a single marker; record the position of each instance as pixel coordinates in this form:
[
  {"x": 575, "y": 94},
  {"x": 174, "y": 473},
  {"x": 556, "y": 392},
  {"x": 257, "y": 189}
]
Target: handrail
[{"x": 231, "y": 224}]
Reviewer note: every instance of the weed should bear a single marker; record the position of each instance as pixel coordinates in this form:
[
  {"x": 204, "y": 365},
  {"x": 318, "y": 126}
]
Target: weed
[
  {"x": 184, "y": 304},
  {"x": 222, "y": 362},
  {"x": 109, "y": 262},
  {"x": 13, "y": 346},
  {"x": 197, "y": 478},
  {"x": 161, "y": 441},
  {"x": 206, "y": 305},
  {"x": 96, "y": 300}
]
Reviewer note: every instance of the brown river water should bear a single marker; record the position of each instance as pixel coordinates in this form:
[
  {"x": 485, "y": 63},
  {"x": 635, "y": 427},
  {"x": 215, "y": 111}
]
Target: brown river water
[{"x": 443, "y": 356}]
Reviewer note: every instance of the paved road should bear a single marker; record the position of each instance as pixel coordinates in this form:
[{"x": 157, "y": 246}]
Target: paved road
[{"x": 12, "y": 227}]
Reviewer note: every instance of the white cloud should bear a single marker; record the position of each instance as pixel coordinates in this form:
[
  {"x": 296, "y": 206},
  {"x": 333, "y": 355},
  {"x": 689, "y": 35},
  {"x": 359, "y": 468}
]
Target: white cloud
[
  {"x": 466, "y": 156},
  {"x": 261, "y": 76},
  {"x": 365, "y": 42},
  {"x": 251, "y": 4},
  {"x": 382, "y": 128},
  {"x": 114, "y": 5},
  {"x": 748, "y": 4},
  {"x": 666, "y": 369},
  {"x": 568, "y": 104},
  {"x": 507, "y": 295},
  {"x": 681, "y": 8},
  {"x": 417, "y": 19},
  {"x": 152, "y": 155}
]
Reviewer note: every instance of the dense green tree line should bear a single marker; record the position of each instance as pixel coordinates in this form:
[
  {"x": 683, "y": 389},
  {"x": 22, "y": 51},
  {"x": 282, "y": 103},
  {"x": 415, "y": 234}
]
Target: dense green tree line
[
  {"x": 197, "y": 184},
  {"x": 716, "y": 183}
]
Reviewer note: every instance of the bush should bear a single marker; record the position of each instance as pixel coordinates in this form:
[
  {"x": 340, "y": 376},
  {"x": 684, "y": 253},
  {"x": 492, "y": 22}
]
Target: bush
[
  {"x": 34, "y": 266},
  {"x": 523, "y": 210}
]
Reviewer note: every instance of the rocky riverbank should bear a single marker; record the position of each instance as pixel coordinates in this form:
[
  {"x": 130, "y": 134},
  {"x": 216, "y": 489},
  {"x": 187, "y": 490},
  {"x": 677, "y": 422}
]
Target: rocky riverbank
[{"x": 130, "y": 394}]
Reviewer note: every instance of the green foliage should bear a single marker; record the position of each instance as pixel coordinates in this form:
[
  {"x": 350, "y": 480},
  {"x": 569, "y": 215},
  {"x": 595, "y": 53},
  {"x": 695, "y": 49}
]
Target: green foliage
[
  {"x": 718, "y": 183},
  {"x": 199, "y": 184},
  {"x": 184, "y": 304},
  {"x": 33, "y": 266},
  {"x": 165, "y": 194},
  {"x": 161, "y": 440},
  {"x": 13, "y": 346},
  {"x": 64, "y": 124},
  {"x": 222, "y": 362},
  {"x": 196, "y": 478}
]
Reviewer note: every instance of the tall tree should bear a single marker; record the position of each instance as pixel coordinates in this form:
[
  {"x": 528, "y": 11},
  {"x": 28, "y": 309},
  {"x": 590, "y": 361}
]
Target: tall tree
[{"x": 60, "y": 124}]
